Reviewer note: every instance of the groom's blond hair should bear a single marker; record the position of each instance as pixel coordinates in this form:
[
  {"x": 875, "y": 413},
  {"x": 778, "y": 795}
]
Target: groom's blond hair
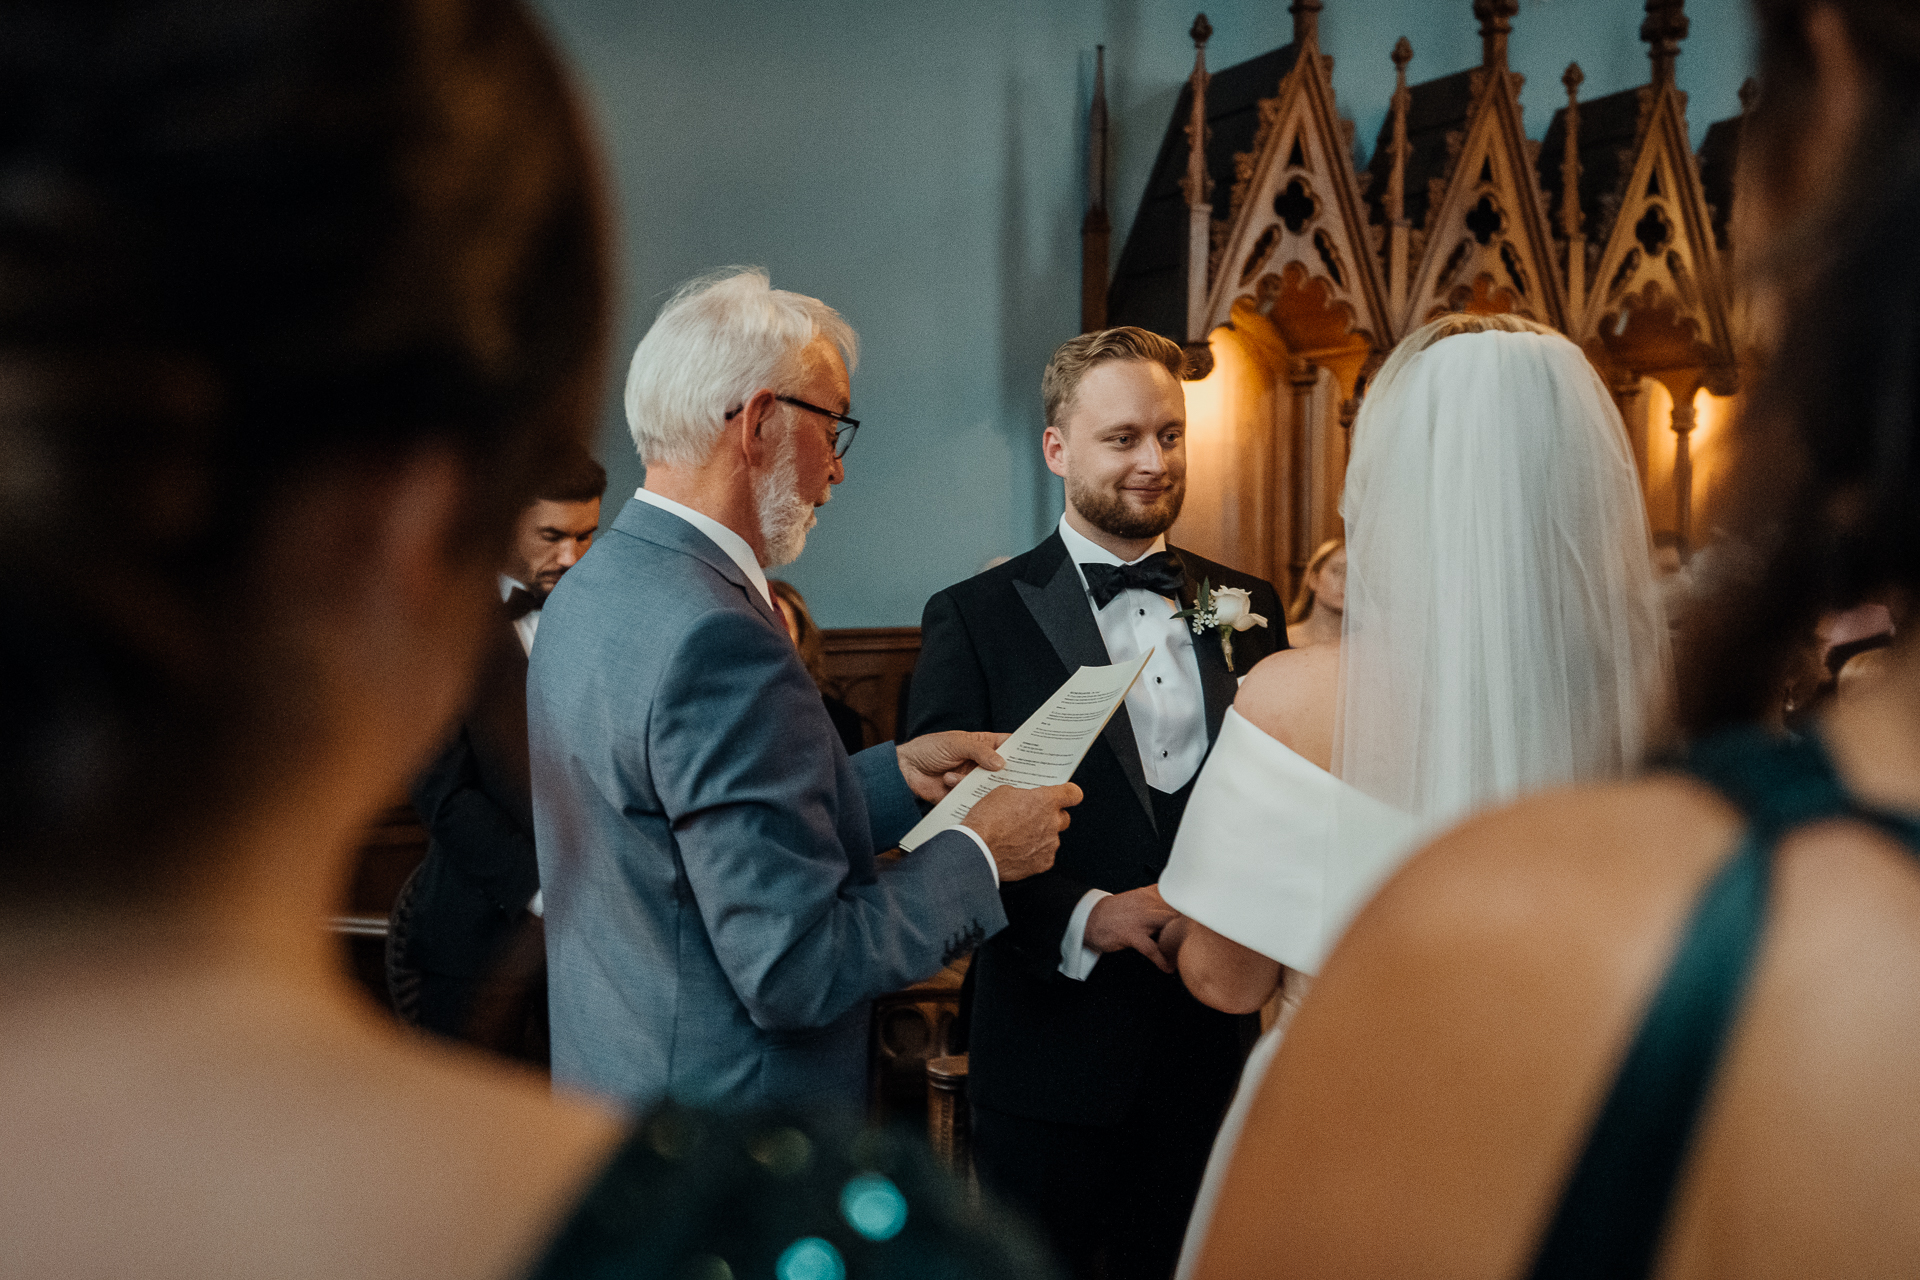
[{"x": 1076, "y": 356}]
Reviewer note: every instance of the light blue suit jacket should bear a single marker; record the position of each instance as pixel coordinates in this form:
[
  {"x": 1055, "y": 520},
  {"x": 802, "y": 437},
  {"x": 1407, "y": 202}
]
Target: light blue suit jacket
[{"x": 717, "y": 923}]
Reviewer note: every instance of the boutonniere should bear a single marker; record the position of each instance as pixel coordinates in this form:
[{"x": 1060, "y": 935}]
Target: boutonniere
[{"x": 1226, "y": 610}]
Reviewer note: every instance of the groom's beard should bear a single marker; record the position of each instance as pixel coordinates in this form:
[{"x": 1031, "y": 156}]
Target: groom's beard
[
  {"x": 1110, "y": 511},
  {"x": 785, "y": 516}
]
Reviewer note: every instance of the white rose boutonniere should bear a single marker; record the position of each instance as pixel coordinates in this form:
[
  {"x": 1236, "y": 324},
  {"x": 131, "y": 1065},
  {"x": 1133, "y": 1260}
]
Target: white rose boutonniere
[{"x": 1226, "y": 610}]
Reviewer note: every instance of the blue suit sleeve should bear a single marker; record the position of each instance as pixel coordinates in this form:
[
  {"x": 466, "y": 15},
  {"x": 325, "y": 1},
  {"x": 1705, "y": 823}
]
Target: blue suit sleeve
[
  {"x": 764, "y": 810},
  {"x": 892, "y": 809}
]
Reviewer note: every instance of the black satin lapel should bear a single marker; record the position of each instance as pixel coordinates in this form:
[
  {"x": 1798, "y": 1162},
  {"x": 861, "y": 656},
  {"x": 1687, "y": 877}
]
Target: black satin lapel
[
  {"x": 1217, "y": 684},
  {"x": 1065, "y": 617}
]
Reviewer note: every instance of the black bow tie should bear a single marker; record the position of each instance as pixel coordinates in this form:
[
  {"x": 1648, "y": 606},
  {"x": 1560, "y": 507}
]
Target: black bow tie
[
  {"x": 1159, "y": 573},
  {"x": 523, "y": 602}
]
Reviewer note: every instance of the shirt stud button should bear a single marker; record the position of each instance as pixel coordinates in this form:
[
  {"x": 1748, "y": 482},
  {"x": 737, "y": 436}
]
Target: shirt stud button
[{"x": 1143, "y": 613}]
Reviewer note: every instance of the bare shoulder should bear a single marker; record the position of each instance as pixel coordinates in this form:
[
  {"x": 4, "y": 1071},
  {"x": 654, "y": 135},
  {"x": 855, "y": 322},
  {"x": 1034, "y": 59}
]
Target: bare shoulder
[
  {"x": 1286, "y": 665},
  {"x": 1555, "y": 871},
  {"x": 1452, "y": 1050},
  {"x": 1292, "y": 696}
]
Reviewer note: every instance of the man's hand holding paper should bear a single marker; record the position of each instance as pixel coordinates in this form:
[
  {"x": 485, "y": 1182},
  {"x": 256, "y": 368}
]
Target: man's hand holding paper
[
  {"x": 1030, "y": 771},
  {"x": 1021, "y": 827},
  {"x": 934, "y": 763}
]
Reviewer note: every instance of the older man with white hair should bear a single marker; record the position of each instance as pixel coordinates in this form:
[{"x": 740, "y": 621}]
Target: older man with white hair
[{"x": 717, "y": 921}]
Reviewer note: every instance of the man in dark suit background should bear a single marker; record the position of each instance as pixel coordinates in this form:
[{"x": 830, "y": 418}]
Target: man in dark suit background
[
  {"x": 1097, "y": 1082},
  {"x": 469, "y": 959}
]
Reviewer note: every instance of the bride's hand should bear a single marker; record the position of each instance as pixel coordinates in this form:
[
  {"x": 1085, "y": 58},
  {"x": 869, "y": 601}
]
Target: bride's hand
[{"x": 1171, "y": 936}]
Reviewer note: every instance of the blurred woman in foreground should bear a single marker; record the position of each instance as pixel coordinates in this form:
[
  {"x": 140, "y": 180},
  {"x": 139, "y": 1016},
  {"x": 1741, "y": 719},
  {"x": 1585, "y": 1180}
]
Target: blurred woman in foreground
[
  {"x": 292, "y": 294},
  {"x": 1672, "y": 1025}
]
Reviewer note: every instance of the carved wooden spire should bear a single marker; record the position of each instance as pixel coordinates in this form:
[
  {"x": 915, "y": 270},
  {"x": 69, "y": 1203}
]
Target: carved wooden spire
[
  {"x": 1398, "y": 231},
  {"x": 1397, "y": 147},
  {"x": 1664, "y": 28},
  {"x": 1097, "y": 133},
  {"x": 1196, "y": 187},
  {"x": 1096, "y": 231},
  {"x": 1570, "y": 216},
  {"x": 1496, "y": 23},
  {"x": 1306, "y": 23}
]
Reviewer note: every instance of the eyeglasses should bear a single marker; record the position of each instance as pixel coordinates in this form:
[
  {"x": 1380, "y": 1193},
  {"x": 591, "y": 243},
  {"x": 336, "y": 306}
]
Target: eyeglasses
[{"x": 842, "y": 434}]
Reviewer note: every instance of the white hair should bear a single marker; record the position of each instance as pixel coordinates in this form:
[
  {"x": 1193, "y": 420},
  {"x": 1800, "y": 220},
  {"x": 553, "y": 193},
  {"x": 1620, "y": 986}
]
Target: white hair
[{"x": 719, "y": 339}]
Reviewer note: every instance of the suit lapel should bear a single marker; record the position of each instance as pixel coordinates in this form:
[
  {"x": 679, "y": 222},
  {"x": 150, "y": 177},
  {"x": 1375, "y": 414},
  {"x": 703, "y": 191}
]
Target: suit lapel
[
  {"x": 1217, "y": 684},
  {"x": 1059, "y": 605},
  {"x": 663, "y": 528}
]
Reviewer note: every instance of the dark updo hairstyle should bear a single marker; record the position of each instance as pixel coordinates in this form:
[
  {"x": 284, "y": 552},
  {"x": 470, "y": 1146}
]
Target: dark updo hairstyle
[
  {"x": 1825, "y": 498},
  {"x": 243, "y": 245}
]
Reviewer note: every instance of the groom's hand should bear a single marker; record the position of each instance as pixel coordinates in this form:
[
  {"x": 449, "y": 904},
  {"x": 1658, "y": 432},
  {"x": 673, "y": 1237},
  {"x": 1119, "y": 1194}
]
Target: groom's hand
[
  {"x": 1132, "y": 919},
  {"x": 1022, "y": 826},
  {"x": 934, "y": 763}
]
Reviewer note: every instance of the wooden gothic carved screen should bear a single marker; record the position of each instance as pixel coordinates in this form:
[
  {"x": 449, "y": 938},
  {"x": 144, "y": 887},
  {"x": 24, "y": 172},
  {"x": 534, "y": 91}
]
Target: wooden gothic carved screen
[{"x": 1314, "y": 268}]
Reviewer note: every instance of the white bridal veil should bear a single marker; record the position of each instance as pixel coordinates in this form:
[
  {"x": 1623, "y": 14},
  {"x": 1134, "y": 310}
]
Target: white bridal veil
[{"x": 1504, "y": 630}]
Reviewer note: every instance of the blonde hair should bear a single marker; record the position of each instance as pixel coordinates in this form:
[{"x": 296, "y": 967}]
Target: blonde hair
[
  {"x": 1303, "y": 599},
  {"x": 1452, "y": 325},
  {"x": 1076, "y": 356}
]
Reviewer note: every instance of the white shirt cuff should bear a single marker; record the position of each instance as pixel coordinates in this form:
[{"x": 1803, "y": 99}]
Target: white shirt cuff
[
  {"x": 1076, "y": 957},
  {"x": 985, "y": 852},
  {"x": 535, "y": 905}
]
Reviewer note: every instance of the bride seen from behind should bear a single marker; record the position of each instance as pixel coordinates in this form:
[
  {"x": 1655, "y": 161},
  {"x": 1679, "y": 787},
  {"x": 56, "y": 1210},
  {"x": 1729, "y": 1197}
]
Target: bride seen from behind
[{"x": 1500, "y": 633}]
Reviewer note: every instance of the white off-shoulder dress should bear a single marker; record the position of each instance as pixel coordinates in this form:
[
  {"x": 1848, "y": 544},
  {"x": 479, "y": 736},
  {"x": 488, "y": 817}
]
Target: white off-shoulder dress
[{"x": 1277, "y": 854}]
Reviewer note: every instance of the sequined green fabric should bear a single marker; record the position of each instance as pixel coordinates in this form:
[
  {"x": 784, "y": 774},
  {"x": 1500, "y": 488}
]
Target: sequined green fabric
[{"x": 692, "y": 1195}]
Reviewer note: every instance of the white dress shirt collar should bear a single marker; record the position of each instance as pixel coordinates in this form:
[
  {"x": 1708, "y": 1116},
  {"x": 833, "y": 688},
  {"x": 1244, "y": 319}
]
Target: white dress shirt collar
[
  {"x": 1084, "y": 550},
  {"x": 527, "y": 626},
  {"x": 727, "y": 540}
]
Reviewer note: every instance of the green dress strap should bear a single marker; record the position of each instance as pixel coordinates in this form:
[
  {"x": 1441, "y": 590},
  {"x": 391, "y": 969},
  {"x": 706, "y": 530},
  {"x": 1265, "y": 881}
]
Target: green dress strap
[{"x": 1613, "y": 1208}]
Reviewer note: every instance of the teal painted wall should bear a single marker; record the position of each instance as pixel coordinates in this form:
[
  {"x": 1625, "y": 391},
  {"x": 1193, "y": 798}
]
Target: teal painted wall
[{"x": 921, "y": 166}]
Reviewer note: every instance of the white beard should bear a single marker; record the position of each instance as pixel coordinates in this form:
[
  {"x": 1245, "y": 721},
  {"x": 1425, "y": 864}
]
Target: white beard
[{"x": 785, "y": 516}]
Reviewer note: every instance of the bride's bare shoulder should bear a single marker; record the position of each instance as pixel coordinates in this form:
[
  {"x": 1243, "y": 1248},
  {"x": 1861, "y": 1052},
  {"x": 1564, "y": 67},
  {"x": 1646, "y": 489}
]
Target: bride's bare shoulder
[{"x": 1290, "y": 696}]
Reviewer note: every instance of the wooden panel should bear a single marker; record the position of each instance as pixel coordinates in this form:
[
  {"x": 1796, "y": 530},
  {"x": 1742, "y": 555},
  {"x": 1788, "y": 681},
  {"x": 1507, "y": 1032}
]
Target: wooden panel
[
  {"x": 868, "y": 667},
  {"x": 393, "y": 844},
  {"x": 909, "y": 1029}
]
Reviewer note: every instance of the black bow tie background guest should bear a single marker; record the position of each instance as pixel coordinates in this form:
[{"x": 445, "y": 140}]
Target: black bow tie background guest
[
  {"x": 1097, "y": 1081},
  {"x": 467, "y": 955}
]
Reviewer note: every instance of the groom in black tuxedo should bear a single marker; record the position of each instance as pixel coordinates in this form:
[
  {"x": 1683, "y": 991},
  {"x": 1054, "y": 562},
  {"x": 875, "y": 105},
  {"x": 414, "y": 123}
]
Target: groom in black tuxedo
[{"x": 1097, "y": 1083}]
